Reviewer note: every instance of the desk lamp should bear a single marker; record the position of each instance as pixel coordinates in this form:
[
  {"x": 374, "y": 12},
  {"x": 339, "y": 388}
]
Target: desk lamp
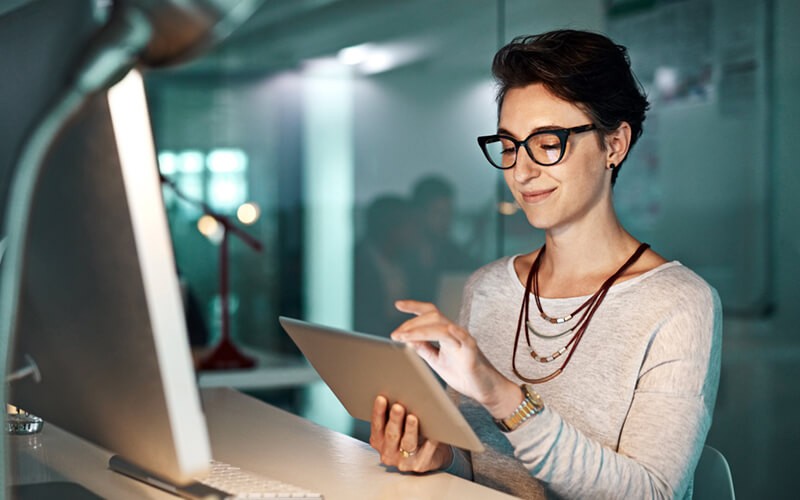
[
  {"x": 148, "y": 33},
  {"x": 225, "y": 355}
]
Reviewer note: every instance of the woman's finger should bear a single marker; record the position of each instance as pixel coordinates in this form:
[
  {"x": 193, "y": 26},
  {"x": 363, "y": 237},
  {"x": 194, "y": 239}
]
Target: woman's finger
[
  {"x": 427, "y": 333},
  {"x": 425, "y": 350},
  {"x": 410, "y": 440},
  {"x": 414, "y": 307},
  {"x": 378, "y": 422},
  {"x": 433, "y": 317},
  {"x": 393, "y": 432}
]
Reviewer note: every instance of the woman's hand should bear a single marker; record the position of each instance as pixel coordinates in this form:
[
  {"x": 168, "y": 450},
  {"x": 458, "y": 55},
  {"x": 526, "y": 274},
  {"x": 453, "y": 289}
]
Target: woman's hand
[
  {"x": 398, "y": 441},
  {"x": 457, "y": 359}
]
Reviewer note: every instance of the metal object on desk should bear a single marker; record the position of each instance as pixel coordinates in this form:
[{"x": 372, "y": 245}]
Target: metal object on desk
[{"x": 18, "y": 421}]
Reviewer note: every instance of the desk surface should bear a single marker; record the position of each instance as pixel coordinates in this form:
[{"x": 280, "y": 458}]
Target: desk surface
[{"x": 254, "y": 436}]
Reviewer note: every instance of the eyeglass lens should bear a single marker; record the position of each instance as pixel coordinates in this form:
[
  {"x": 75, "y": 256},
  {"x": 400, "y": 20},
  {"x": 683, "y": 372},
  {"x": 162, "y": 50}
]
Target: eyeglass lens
[{"x": 545, "y": 148}]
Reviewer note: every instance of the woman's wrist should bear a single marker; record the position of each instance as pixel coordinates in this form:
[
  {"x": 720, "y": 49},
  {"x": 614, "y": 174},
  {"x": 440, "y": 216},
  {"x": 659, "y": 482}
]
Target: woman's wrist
[
  {"x": 507, "y": 396},
  {"x": 447, "y": 456},
  {"x": 530, "y": 406}
]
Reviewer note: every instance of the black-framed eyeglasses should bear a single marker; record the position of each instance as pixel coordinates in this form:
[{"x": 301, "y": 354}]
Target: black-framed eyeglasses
[{"x": 545, "y": 147}]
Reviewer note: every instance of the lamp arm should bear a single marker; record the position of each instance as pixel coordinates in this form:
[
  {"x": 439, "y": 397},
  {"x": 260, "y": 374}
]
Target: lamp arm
[{"x": 222, "y": 219}]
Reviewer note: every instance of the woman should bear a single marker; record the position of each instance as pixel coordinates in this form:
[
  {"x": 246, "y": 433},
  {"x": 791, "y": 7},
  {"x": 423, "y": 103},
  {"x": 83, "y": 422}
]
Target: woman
[{"x": 589, "y": 367}]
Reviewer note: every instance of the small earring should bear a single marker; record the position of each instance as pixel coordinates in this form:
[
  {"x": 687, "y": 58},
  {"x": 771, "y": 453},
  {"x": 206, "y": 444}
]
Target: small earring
[{"x": 612, "y": 166}]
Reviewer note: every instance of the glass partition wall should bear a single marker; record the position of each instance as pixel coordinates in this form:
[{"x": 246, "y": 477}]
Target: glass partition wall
[
  {"x": 350, "y": 127},
  {"x": 341, "y": 134}
]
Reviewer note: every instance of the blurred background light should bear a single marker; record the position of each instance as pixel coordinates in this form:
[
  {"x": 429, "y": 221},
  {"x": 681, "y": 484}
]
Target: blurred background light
[
  {"x": 210, "y": 228},
  {"x": 248, "y": 213}
]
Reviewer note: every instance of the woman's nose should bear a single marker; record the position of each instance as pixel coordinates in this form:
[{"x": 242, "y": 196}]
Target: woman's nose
[{"x": 525, "y": 168}]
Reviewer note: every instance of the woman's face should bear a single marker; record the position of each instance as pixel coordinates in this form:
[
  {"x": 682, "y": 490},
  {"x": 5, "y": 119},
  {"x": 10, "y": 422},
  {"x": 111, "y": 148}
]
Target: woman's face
[{"x": 558, "y": 196}]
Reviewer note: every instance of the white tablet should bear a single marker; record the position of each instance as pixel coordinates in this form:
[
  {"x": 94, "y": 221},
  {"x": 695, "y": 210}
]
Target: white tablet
[{"x": 359, "y": 367}]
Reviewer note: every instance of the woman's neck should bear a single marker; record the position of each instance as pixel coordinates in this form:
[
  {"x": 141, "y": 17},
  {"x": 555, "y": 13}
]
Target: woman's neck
[
  {"x": 580, "y": 255},
  {"x": 580, "y": 258}
]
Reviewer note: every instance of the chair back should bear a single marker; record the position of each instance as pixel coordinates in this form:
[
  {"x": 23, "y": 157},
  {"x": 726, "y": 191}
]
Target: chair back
[{"x": 712, "y": 479}]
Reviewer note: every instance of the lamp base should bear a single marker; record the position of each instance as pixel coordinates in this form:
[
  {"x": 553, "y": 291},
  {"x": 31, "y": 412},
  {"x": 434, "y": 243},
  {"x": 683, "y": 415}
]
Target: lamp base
[{"x": 226, "y": 357}]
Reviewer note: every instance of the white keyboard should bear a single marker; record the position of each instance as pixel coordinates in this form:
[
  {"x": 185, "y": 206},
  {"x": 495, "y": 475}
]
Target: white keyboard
[
  {"x": 239, "y": 483},
  {"x": 223, "y": 481}
]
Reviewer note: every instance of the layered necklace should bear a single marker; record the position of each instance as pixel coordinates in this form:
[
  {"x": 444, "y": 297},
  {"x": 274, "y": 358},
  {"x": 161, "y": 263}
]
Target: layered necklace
[{"x": 582, "y": 316}]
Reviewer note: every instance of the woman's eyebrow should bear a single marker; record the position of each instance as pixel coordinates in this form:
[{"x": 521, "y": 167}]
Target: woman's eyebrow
[{"x": 502, "y": 131}]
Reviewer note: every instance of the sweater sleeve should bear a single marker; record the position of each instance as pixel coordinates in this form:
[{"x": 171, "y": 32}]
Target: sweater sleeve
[
  {"x": 461, "y": 465},
  {"x": 666, "y": 425}
]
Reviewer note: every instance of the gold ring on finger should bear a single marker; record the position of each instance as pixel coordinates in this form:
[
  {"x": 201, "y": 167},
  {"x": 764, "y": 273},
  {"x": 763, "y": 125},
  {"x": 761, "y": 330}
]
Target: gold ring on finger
[{"x": 407, "y": 454}]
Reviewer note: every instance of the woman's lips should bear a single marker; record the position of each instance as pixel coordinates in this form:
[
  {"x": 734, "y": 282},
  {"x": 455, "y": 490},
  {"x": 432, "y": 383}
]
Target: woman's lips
[{"x": 536, "y": 196}]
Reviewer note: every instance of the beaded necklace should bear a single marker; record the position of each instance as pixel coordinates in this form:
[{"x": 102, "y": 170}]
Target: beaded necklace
[{"x": 588, "y": 308}]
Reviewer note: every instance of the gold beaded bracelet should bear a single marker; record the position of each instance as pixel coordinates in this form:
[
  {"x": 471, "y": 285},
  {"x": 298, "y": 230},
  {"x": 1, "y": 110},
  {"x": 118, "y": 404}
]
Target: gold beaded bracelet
[{"x": 530, "y": 406}]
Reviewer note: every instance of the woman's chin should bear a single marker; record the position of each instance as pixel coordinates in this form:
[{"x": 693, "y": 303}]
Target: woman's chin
[{"x": 538, "y": 222}]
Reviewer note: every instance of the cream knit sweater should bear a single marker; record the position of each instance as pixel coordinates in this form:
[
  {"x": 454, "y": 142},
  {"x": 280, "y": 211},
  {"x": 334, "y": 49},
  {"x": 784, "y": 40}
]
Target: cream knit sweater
[{"x": 629, "y": 416}]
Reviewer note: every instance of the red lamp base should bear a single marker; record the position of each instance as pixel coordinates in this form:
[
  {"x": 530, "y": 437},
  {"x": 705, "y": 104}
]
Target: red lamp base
[{"x": 226, "y": 357}]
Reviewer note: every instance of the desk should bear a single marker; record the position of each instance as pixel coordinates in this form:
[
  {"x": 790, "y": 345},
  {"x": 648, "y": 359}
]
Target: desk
[{"x": 254, "y": 436}]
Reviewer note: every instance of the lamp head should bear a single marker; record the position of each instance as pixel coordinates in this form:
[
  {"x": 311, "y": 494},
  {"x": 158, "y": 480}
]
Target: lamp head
[{"x": 183, "y": 28}]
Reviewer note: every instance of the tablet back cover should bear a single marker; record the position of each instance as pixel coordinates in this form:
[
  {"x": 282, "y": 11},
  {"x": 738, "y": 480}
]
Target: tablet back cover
[{"x": 359, "y": 367}]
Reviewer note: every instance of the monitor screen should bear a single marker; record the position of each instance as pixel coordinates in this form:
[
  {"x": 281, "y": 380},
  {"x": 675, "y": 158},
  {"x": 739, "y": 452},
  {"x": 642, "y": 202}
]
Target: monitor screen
[{"x": 100, "y": 309}]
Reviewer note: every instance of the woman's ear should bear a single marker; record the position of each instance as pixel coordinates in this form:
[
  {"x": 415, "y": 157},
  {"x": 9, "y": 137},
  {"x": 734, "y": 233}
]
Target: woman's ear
[{"x": 618, "y": 143}]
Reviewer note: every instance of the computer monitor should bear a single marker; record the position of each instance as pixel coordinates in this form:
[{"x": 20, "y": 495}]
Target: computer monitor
[{"x": 100, "y": 311}]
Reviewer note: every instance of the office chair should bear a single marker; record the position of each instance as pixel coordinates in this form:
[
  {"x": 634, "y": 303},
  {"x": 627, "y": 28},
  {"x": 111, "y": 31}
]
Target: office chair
[{"x": 712, "y": 478}]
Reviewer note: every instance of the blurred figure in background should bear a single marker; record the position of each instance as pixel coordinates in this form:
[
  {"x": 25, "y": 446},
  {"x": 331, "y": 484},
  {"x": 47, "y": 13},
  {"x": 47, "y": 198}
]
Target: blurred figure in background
[
  {"x": 381, "y": 265},
  {"x": 435, "y": 252}
]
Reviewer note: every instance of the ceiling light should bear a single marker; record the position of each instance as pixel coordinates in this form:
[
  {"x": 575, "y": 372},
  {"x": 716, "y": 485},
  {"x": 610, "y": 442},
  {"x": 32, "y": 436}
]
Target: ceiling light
[{"x": 355, "y": 55}]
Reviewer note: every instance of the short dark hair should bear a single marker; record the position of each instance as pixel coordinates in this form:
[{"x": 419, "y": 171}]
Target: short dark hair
[{"x": 582, "y": 67}]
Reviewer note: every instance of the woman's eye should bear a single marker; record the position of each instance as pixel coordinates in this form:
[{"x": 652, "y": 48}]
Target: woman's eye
[
  {"x": 547, "y": 142},
  {"x": 507, "y": 147}
]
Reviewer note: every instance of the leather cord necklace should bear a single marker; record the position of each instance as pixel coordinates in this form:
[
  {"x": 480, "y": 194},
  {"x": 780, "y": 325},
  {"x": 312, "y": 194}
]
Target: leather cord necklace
[{"x": 589, "y": 307}]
